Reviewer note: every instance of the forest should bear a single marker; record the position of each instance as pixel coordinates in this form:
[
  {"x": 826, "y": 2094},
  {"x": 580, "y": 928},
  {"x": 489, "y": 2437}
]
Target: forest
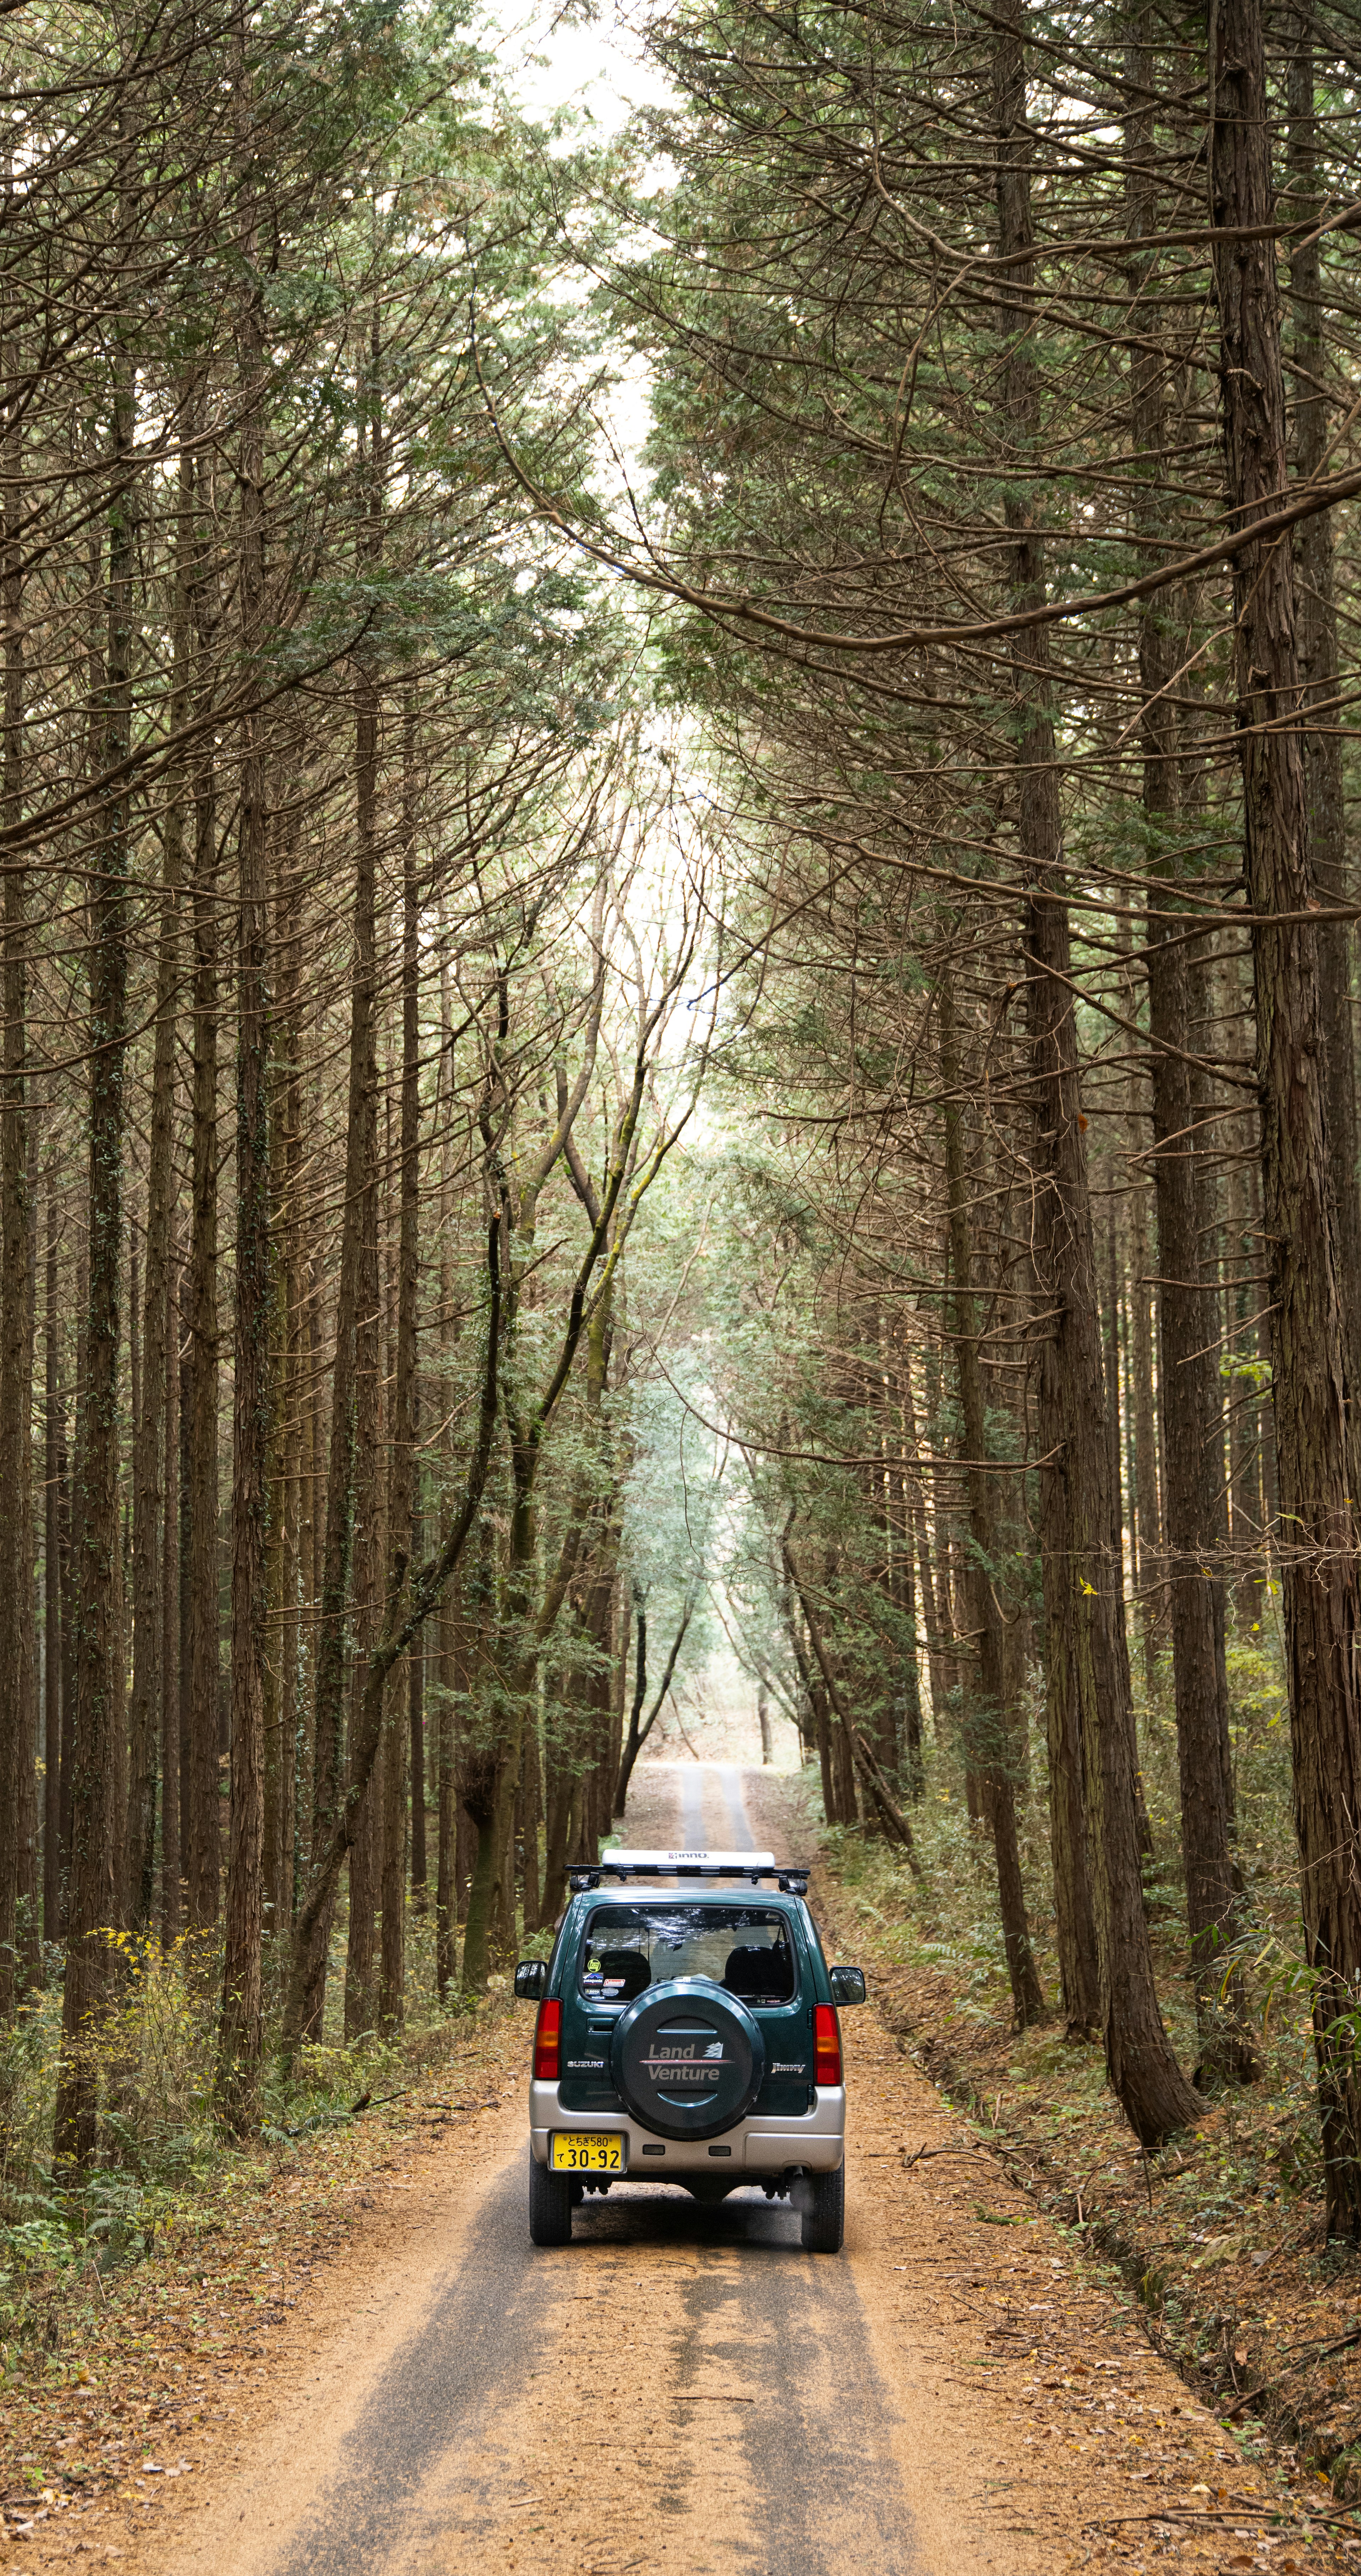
[{"x": 626, "y": 1043}]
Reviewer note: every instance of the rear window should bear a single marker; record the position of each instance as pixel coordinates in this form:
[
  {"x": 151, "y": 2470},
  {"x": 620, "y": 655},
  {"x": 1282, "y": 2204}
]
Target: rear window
[{"x": 746, "y": 1948}]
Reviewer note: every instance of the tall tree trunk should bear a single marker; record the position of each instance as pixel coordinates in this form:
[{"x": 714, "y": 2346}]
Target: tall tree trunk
[
  {"x": 1070, "y": 1393},
  {"x": 448, "y": 1806},
  {"x": 935, "y": 1627},
  {"x": 370, "y": 1502},
  {"x": 1317, "y": 654},
  {"x": 451, "y": 1820},
  {"x": 582, "y": 1731},
  {"x": 121, "y": 1658},
  {"x": 1148, "y": 1517},
  {"x": 1246, "y": 1503},
  {"x": 148, "y": 1466},
  {"x": 832, "y": 1667},
  {"x": 402, "y": 1491},
  {"x": 530, "y": 1816},
  {"x": 202, "y": 1850},
  {"x": 281, "y": 1482},
  {"x": 339, "y": 1544},
  {"x": 562, "y": 1758},
  {"x": 490, "y": 1899},
  {"x": 1090, "y": 1709},
  {"x": 69, "y": 1474},
  {"x": 291, "y": 1412},
  {"x": 185, "y": 1552},
  {"x": 1321, "y": 1595},
  {"x": 420, "y": 1862},
  {"x": 1111, "y": 1331},
  {"x": 18, "y": 1711},
  {"x": 53, "y": 1445},
  {"x": 633, "y": 1739},
  {"x": 241, "y": 2035},
  {"x": 393, "y": 1844},
  {"x": 898, "y": 1523},
  {"x": 170, "y": 1621},
  {"x": 1188, "y": 1371},
  {"x": 989, "y": 1726},
  {"x": 99, "y": 1685},
  {"x": 1191, "y": 1424},
  {"x": 338, "y": 1538}
]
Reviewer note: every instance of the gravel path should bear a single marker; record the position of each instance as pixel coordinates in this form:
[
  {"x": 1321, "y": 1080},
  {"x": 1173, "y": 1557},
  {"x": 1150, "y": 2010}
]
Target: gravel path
[{"x": 685, "y": 2393}]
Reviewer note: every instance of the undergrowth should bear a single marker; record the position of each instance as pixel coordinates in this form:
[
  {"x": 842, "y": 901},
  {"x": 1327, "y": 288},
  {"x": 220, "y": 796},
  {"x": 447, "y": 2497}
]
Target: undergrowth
[
  {"x": 1221, "y": 2235},
  {"x": 166, "y": 2166}
]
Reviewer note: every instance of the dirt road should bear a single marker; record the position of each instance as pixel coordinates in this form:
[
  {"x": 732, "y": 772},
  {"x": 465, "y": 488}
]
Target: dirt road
[{"x": 687, "y": 2390}]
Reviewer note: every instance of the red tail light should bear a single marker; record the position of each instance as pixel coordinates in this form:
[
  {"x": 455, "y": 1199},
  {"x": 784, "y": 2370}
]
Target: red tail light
[
  {"x": 826, "y": 2045},
  {"x": 548, "y": 2043}
]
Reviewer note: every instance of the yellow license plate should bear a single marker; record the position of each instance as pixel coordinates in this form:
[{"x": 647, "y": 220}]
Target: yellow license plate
[{"x": 588, "y": 2151}]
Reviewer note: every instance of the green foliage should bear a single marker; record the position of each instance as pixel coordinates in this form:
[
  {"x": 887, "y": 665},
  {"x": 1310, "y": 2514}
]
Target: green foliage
[{"x": 162, "y": 2148}]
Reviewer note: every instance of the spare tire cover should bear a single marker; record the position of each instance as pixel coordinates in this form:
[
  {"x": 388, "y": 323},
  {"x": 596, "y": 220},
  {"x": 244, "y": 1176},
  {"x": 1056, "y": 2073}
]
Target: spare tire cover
[{"x": 688, "y": 2059}]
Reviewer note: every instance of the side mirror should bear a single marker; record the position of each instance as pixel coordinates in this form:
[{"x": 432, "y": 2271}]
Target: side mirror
[
  {"x": 848, "y": 1985},
  {"x": 531, "y": 1981}
]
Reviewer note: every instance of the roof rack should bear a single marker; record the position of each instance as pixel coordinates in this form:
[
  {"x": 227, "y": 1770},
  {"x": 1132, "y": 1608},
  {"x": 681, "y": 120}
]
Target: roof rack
[{"x": 749, "y": 1866}]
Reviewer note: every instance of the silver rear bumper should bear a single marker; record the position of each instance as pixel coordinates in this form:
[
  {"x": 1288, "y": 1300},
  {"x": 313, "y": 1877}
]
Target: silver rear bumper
[{"x": 754, "y": 2146}]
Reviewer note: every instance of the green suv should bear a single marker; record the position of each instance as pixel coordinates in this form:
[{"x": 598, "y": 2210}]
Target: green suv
[{"x": 688, "y": 2034}]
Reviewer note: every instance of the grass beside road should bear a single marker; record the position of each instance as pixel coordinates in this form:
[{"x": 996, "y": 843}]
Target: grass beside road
[
  {"x": 135, "y": 2307},
  {"x": 1221, "y": 2235}
]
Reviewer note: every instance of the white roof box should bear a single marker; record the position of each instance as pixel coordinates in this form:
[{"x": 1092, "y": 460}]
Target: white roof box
[
  {"x": 751, "y": 1866},
  {"x": 668, "y": 1860}
]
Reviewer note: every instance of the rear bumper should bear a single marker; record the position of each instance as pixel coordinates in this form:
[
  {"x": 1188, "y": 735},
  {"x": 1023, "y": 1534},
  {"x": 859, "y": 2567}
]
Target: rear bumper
[{"x": 754, "y": 2145}]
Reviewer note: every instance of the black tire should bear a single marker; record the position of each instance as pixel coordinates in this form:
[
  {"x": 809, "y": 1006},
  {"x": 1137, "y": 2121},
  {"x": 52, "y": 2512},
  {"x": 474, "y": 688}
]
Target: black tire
[
  {"x": 550, "y": 2205},
  {"x": 822, "y": 2227}
]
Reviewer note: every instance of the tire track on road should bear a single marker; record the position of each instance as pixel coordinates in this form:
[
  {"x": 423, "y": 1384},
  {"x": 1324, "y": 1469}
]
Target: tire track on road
[
  {"x": 679, "y": 2392},
  {"x": 679, "y": 2389}
]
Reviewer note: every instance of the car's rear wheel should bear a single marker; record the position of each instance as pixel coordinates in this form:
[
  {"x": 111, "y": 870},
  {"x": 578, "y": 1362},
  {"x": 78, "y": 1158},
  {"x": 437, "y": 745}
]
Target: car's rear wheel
[
  {"x": 550, "y": 2205},
  {"x": 822, "y": 2226}
]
